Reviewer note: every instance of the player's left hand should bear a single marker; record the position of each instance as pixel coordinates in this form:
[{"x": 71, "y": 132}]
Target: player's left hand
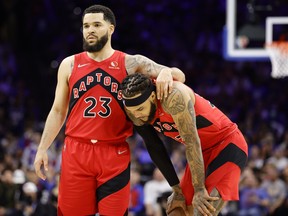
[
  {"x": 164, "y": 83},
  {"x": 202, "y": 202}
]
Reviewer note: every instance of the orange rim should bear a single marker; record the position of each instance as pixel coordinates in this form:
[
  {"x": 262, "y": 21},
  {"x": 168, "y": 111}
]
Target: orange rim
[{"x": 280, "y": 45}]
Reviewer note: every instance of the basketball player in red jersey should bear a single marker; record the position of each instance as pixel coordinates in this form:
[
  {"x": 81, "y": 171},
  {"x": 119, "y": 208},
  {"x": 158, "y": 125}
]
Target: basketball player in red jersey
[
  {"x": 216, "y": 151},
  {"x": 95, "y": 168}
]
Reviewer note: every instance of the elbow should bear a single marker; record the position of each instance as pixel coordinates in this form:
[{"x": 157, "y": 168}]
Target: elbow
[
  {"x": 182, "y": 78},
  {"x": 178, "y": 74}
]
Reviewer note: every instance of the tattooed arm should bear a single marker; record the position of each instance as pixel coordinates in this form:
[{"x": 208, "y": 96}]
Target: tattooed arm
[
  {"x": 165, "y": 75},
  {"x": 180, "y": 105}
]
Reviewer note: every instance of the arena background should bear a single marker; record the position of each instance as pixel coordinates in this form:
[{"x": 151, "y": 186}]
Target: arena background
[{"x": 36, "y": 35}]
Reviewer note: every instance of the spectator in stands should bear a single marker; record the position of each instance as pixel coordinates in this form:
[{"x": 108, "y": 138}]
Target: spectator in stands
[
  {"x": 154, "y": 189},
  {"x": 136, "y": 206},
  {"x": 274, "y": 186},
  {"x": 254, "y": 200},
  {"x": 7, "y": 192}
]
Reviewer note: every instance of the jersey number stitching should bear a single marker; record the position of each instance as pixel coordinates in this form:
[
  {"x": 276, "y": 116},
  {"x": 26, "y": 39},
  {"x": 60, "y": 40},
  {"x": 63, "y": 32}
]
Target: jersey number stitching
[{"x": 92, "y": 103}]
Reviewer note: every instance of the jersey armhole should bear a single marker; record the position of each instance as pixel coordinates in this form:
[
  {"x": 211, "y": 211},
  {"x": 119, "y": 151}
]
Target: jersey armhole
[
  {"x": 73, "y": 72},
  {"x": 123, "y": 56}
]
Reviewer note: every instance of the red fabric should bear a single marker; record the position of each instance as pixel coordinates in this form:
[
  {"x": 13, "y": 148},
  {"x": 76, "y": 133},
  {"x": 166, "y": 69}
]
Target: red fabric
[
  {"x": 134, "y": 198},
  {"x": 225, "y": 178},
  {"x": 220, "y": 128},
  {"x": 94, "y": 91},
  {"x": 85, "y": 167},
  {"x": 214, "y": 137}
]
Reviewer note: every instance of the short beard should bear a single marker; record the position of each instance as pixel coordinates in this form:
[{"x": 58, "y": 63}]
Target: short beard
[
  {"x": 97, "y": 46},
  {"x": 151, "y": 114}
]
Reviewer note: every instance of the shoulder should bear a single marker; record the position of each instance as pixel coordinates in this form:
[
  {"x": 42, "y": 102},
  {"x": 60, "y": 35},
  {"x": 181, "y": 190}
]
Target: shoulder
[
  {"x": 178, "y": 98},
  {"x": 179, "y": 90},
  {"x": 67, "y": 65},
  {"x": 129, "y": 58},
  {"x": 68, "y": 60}
]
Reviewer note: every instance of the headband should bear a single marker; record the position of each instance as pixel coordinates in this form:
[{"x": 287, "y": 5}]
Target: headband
[{"x": 142, "y": 98}]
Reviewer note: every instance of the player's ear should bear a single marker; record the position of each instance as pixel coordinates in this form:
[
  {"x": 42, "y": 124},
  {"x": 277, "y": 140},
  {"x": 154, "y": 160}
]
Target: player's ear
[{"x": 111, "y": 29}]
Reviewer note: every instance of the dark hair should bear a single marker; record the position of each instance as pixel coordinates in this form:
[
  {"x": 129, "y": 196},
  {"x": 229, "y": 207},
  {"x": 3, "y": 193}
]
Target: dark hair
[
  {"x": 107, "y": 13},
  {"x": 134, "y": 84}
]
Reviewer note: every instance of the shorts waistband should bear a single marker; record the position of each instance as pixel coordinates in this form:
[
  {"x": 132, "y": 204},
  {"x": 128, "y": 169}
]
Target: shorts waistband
[{"x": 95, "y": 141}]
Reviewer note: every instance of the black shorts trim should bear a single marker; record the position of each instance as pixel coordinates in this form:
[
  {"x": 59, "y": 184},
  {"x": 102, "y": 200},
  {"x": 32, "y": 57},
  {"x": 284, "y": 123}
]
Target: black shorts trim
[
  {"x": 231, "y": 153},
  {"x": 113, "y": 185}
]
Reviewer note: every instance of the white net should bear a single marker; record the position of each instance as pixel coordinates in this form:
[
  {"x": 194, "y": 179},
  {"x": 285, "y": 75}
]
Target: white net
[{"x": 278, "y": 52}]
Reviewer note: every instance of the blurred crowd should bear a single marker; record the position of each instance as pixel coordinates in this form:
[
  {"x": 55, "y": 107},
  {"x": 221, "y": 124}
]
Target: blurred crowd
[{"x": 36, "y": 35}]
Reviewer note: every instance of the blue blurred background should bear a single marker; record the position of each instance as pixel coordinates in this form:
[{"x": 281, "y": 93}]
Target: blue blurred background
[{"x": 36, "y": 35}]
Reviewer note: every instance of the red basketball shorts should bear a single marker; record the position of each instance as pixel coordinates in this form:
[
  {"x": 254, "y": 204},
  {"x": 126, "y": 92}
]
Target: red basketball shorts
[
  {"x": 94, "y": 178},
  {"x": 223, "y": 165}
]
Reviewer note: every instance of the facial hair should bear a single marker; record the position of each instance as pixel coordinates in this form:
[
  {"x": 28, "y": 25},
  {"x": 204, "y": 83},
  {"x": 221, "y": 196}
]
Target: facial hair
[
  {"x": 100, "y": 43},
  {"x": 151, "y": 114}
]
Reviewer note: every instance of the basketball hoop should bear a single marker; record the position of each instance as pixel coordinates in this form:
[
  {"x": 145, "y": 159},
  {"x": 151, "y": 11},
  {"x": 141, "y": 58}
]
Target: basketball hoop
[{"x": 278, "y": 53}]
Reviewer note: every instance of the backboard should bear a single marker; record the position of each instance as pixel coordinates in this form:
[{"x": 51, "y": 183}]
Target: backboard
[{"x": 250, "y": 24}]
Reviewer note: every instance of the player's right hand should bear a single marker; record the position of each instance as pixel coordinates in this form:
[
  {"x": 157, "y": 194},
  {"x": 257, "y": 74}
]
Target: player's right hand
[
  {"x": 164, "y": 83},
  {"x": 41, "y": 160},
  {"x": 202, "y": 202}
]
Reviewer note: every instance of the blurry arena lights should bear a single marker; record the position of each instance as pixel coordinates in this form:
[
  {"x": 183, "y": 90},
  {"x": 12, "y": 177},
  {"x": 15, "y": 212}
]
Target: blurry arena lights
[
  {"x": 54, "y": 64},
  {"x": 77, "y": 11}
]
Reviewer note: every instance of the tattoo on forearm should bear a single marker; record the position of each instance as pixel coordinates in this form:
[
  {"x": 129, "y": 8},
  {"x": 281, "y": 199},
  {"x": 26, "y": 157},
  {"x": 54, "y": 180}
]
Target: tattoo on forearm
[
  {"x": 144, "y": 64},
  {"x": 196, "y": 164},
  {"x": 184, "y": 116}
]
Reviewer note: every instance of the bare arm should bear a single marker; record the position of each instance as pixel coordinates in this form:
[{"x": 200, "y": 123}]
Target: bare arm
[
  {"x": 56, "y": 116},
  {"x": 180, "y": 104},
  {"x": 165, "y": 75},
  {"x": 181, "y": 107}
]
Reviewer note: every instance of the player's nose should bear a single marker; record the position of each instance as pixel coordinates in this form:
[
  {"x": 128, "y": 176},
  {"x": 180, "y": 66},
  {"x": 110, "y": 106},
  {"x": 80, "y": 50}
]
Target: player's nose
[
  {"x": 91, "y": 29},
  {"x": 137, "y": 114}
]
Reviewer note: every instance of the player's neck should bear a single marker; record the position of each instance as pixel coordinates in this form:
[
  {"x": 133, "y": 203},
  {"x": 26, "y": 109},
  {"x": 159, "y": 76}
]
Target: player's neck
[{"x": 103, "y": 54}]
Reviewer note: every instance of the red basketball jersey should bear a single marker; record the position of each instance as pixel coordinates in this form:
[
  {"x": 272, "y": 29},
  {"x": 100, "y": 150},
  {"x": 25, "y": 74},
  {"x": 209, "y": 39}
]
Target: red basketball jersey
[
  {"x": 213, "y": 126},
  {"x": 95, "y": 105}
]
